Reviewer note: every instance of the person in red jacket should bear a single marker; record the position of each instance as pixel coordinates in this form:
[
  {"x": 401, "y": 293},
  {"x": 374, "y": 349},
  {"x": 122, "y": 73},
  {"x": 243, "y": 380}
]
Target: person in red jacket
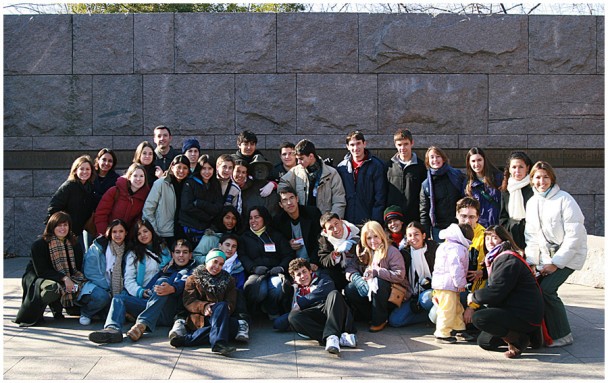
[{"x": 125, "y": 200}]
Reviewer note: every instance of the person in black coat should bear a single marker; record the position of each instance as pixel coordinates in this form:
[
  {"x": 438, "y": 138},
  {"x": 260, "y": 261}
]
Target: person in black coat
[
  {"x": 75, "y": 197},
  {"x": 516, "y": 191},
  {"x": 51, "y": 277},
  {"x": 513, "y": 298},
  {"x": 265, "y": 255},
  {"x": 106, "y": 176},
  {"x": 405, "y": 174},
  {"x": 300, "y": 225},
  {"x": 202, "y": 201}
]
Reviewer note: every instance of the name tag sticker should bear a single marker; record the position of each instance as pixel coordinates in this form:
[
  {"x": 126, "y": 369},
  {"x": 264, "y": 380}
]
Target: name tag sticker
[{"x": 270, "y": 248}]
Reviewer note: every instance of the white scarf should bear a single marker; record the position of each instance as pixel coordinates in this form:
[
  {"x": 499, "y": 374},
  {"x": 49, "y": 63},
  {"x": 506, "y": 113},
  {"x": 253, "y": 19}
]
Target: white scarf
[
  {"x": 349, "y": 231},
  {"x": 419, "y": 266},
  {"x": 230, "y": 263},
  {"x": 516, "y": 207}
]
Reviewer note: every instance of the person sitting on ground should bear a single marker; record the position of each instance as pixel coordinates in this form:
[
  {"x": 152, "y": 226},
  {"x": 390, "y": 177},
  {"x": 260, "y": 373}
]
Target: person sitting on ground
[
  {"x": 210, "y": 297},
  {"x": 299, "y": 224},
  {"x": 51, "y": 277},
  {"x": 419, "y": 257},
  {"x": 384, "y": 267},
  {"x": 449, "y": 280},
  {"x": 143, "y": 262},
  {"x": 318, "y": 310},
  {"x": 513, "y": 298},
  {"x": 265, "y": 255},
  {"x": 337, "y": 246},
  {"x": 103, "y": 268},
  {"x": 228, "y": 222}
]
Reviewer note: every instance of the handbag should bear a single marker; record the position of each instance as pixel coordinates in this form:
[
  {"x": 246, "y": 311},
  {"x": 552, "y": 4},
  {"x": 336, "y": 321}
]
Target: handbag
[{"x": 397, "y": 294}]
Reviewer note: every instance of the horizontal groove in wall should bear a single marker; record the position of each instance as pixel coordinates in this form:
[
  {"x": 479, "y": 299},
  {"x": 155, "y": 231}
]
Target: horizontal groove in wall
[{"x": 559, "y": 158}]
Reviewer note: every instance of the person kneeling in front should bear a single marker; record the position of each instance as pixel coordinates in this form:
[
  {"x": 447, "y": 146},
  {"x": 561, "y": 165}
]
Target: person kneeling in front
[{"x": 318, "y": 310}]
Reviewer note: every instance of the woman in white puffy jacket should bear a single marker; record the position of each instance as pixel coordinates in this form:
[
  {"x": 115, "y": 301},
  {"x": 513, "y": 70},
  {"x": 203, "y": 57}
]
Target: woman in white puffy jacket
[{"x": 556, "y": 243}]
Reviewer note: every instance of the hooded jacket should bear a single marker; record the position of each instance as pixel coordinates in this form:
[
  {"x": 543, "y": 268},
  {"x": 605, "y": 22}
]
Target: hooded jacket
[
  {"x": 451, "y": 260},
  {"x": 119, "y": 202}
]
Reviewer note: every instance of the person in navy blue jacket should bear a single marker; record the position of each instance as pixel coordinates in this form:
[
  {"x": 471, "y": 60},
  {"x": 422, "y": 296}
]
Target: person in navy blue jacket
[
  {"x": 165, "y": 292},
  {"x": 318, "y": 310},
  {"x": 365, "y": 182}
]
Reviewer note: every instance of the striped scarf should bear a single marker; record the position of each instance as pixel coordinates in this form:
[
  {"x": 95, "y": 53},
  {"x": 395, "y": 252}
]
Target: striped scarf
[
  {"x": 61, "y": 252},
  {"x": 117, "y": 278}
]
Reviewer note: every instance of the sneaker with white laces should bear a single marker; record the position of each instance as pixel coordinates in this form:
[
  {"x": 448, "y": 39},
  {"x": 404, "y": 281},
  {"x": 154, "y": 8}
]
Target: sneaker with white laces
[
  {"x": 564, "y": 341},
  {"x": 332, "y": 344},
  {"x": 178, "y": 329},
  {"x": 348, "y": 340},
  {"x": 243, "y": 334},
  {"x": 84, "y": 320}
]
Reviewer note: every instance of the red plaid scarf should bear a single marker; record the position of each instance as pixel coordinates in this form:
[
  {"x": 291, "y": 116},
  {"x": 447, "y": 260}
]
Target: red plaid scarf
[{"x": 61, "y": 253}]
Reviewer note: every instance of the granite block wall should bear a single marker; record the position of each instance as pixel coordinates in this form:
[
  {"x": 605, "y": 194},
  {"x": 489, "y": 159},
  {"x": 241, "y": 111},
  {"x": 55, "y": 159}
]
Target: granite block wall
[{"x": 76, "y": 83}]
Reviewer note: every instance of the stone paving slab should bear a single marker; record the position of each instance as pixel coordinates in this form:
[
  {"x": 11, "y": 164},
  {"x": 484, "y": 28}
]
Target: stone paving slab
[{"x": 60, "y": 350}]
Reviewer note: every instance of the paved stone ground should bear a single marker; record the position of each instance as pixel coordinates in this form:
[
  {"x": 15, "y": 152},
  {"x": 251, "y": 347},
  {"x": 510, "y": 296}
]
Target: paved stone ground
[{"x": 61, "y": 350}]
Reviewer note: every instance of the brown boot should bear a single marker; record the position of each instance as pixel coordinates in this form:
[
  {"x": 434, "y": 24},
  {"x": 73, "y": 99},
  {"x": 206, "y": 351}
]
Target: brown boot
[{"x": 517, "y": 343}]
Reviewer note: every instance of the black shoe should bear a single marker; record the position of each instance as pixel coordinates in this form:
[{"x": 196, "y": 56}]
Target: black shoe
[
  {"x": 448, "y": 340},
  {"x": 107, "y": 335},
  {"x": 223, "y": 349},
  {"x": 73, "y": 311},
  {"x": 536, "y": 339},
  {"x": 465, "y": 336},
  {"x": 178, "y": 341},
  {"x": 56, "y": 309}
]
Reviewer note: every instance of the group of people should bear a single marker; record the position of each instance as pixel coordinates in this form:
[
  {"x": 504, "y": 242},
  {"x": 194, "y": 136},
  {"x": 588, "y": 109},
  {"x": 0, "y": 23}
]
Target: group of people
[{"x": 207, "y": 245}]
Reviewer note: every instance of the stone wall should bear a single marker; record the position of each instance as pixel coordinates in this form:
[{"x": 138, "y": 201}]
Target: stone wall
[{"x": 76, "y": 83}]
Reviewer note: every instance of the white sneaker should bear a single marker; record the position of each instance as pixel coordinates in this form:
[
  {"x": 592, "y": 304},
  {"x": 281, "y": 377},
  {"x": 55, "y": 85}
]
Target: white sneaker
[
  {"x": 84, "y": 320},
  {"x": 243, "y": 334},
  {"x": 178, "y": 329},
  {"x": 564, "y": 341},
  {"x": 332, "y": 344},
  {"x": 348, "y": 340}
]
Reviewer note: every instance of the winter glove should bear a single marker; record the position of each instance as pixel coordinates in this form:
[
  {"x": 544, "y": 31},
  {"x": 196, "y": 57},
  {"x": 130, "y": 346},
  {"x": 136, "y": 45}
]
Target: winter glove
[
  {"x": 260, "y": 270},
  {"x": 266, "y": 190},
  {"x": 345, "y": 246},
  {"x": 360, "y": 284},
  {"x": 276, "y": 270}
]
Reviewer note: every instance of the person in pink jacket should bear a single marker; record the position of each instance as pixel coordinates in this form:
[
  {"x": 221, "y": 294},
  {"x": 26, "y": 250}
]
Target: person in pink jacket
[
  {"x": 125, "y": 200},
  {"x": 449, "y": 280}
]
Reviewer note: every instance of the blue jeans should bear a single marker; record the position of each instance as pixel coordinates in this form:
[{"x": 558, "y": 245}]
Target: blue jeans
[
  {"x": 152, "y": 311},
  {"x": 95, "y": 302},
  {"x": 267, "y": 291},
  {"x": 220, "y": 328},
  {"x": 403, "y": 316}
]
